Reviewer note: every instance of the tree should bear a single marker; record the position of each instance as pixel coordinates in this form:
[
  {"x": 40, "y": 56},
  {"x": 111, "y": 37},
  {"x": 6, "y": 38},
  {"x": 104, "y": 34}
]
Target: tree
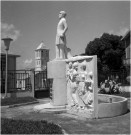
[{"x": 109, "y": 50}]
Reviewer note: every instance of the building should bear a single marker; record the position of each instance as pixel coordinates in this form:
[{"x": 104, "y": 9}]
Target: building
[
  {"x": 41, "y": 57},
  {"x": 11, "y": 67},
  {"x": 127, "y": 57},
  {"x": 126, "y": 40},
  {"x": 11, "y": 61}
]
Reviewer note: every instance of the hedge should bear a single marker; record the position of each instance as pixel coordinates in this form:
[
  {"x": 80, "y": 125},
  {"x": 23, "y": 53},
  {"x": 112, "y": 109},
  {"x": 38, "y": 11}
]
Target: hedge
[{"x": 13, "y": 126}]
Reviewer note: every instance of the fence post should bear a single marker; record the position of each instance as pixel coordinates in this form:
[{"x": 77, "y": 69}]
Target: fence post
[{"x": 32, "y": 83}]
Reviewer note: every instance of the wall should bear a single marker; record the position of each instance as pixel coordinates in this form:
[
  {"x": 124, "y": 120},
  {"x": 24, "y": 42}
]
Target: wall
[
  {"x": 20, "y": 94},
  {"x": 11, "y": 63}
]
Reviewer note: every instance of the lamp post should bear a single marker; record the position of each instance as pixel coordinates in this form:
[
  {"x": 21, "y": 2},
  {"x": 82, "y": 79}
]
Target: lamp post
[{"x": 7, "y": 45}]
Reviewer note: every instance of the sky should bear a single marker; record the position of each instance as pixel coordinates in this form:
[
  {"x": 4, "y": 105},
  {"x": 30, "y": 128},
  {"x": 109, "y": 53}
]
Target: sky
[{"x": 31, "y": 22}]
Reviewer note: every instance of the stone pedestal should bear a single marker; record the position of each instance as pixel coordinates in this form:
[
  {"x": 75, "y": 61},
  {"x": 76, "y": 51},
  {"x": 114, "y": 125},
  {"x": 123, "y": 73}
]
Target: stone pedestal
[{"x": 56, "y": 70}]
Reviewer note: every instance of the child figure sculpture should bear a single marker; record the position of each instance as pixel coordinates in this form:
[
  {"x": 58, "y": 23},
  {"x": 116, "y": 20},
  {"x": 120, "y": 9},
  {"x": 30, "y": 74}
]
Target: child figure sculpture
[
  {"x": 89, "y": 93},
  {"x": 74, "y": 84},
  {"x": 85, "y": 88}
]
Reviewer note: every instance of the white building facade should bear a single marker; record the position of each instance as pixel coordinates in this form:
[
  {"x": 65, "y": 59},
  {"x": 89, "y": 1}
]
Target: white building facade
[{"x": 41, "y": 57}]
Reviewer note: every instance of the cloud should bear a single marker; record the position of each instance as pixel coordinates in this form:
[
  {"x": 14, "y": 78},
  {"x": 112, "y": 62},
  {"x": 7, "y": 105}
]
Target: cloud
[
  {"x": 111, "y": 32},
  {"x": 27, "y": 62},
  {"x": 122, "y": 31},
  {"x": 9, "y": 30}
]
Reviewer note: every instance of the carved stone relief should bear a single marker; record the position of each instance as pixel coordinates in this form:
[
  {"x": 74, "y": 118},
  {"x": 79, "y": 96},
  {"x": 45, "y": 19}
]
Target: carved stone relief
[{"x": 79, "y": 86}]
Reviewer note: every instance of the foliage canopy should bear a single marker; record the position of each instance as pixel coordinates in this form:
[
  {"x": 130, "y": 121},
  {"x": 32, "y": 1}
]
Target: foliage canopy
[{"x": 109, "y": 50}]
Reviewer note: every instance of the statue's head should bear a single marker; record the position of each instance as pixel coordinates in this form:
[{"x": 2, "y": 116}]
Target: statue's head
[
  {"x": 75, "y": 65},
  {"x": 83, "y": 66},
  {"x": 70, "y": 65},
  {"x": 75, "y": 76},
  {"x": 62, "y": 14}
]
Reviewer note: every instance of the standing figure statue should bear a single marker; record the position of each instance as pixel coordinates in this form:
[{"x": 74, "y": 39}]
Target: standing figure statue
[{"x": 61, "y": 49}]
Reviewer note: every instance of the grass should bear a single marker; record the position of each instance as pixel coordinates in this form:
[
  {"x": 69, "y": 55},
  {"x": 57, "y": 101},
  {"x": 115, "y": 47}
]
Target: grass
[
  {"x": 10, "y": 126},
  {"x": 73, "y": 125},
  {"x": 19, "y": 100}
]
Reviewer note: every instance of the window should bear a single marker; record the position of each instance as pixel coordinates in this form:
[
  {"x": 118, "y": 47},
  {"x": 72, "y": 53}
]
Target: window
[
  {"x": 46, "y": 53},
  {"x": 42, "y": 53},
  {"x": 38, "y": 53}
]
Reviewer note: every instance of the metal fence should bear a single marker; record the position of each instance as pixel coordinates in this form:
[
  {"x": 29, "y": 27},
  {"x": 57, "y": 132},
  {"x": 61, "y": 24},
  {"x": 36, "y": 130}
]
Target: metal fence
[
  {"x": 18, "y": 80},
  {"x": 41, "y": 81},
  {"x": 27, "y": 81}
]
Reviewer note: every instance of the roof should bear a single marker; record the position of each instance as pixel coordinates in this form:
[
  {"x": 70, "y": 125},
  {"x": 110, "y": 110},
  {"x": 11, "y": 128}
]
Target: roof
[
  {"x": 42, "y": 46},
  {"x": 10, "y": 54},
  {"x": 14, "y": 55},
  {"x": 127, "y": 34}
]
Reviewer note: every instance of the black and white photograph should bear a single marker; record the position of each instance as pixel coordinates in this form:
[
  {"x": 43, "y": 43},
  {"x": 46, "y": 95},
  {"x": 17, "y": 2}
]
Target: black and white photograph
[{"x": 65, "y": 67}]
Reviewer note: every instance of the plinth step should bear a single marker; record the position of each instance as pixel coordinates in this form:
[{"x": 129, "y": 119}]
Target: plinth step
[{"x": 48, "y": 107}]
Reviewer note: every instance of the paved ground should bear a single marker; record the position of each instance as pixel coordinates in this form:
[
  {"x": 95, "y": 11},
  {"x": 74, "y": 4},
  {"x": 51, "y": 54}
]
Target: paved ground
[{"x": 71, "y": 123}]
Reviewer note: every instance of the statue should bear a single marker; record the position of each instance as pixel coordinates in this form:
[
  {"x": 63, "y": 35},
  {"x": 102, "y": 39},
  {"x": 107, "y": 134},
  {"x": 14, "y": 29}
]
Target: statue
[
  {"x": 88, "y": 95},
  {"x": 82, "y": 85},
  {"x": 72, "y": 78},
  {"x": 61, "y": 49},
  {"x": 74, "y": 84}
]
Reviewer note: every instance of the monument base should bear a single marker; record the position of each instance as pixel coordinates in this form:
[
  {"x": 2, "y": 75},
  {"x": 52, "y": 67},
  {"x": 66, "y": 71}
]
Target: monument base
[
  {"x": 56, "y": 70},
  {"x": 48, "y": 107},
  {"x": 86, "y": 114}
]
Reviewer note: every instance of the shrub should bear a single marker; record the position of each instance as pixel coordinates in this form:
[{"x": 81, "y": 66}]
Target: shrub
[
  {"x": 110, "y": 87},
  {"x": 10, "y": 126}
]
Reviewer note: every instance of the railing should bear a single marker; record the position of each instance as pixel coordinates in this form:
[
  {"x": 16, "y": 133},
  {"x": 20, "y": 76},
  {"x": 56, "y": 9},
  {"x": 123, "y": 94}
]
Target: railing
[
  {"x": 33, "y": 83},
  {"x": 41, "y": 81},
  {"x": 18, "y": 80}
]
